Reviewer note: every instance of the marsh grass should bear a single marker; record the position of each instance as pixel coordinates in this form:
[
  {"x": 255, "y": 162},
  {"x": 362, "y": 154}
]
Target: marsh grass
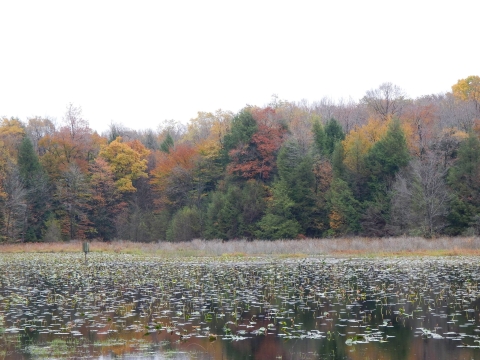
[{"x": 358, "y": 246}]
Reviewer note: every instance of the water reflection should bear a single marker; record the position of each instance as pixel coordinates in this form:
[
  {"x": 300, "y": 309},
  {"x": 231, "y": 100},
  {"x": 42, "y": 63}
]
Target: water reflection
[{"x": 56, "y": 306}]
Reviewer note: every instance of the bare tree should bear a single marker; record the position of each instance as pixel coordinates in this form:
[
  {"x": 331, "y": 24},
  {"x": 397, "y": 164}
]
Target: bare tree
[
  {"x": 420, "y": 197},
  {"x": 38, "y": 128},
  {"x": 386, "y": 101},
  {"x": 456, "y": 113},
  {"x": 15, "y": 205},
  {"x": 73, "y": 194}
]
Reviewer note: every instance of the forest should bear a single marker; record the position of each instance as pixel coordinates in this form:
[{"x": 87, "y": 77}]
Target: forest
[{"x": 386, "y": 165}]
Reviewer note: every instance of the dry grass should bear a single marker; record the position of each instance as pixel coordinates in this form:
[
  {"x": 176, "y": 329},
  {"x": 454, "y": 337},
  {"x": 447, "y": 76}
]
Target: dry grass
[{"x": 401, "y": 246}]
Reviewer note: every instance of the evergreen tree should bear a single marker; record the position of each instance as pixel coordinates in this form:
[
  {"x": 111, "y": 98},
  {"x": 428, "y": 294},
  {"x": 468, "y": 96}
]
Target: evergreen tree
[
  {"x": 28, "y": 163},
  {"x": 464, "y": 179},
  {"x": 383, "y": 161},
  {"x": 224, "y": 214},
  {"x": 333, "y": 134},
  {"x": 37, "y": 190},
  {"x": 253, "y": 207},
  {"x": 338, "y": 167},
  {"x": 279, "y": 221},
  {"x": 296, "y": 173},
  {"x": 344, "y": 209},
  {"x": 386, "y": 157},
  {"x": 241, "y": 132},
  {"x": 167, "y": 144},
  {"x": 319, "y": 137},
  {"x": 186, "y": 225}
]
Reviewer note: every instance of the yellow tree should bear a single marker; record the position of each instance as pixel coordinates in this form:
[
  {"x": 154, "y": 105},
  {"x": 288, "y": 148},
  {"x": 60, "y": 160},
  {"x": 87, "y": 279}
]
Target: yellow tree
[
  {"x": 208, "y": 126},
  {"x": 12, "y": 132},
  {"x": 358, "y": 142},
  {"x": 468, "y": 89},
  {"x": 128, "y": 162}
]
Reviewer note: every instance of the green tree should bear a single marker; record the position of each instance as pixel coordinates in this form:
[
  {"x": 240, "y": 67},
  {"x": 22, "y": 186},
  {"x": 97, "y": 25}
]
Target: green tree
[
  {"x": 28, "y": 162},
  {"x": 167, "y": 144},
  {"x": 296, "y": 174},
  {"x": 344, "y": 209},
  {"x": 464, "y": 180},
  {"x": 333, "y": 134},
  {"x": 386, "y": 157},
  {"x": 319, "y": 137},
  {"x": 252, "y": 206},
  {"x": 279, "y": 221},
  {"x": 35, "y": 181},
  {"x": 223, "y": 214},
  {"x": 241, "y": 132},
  {"x": 186, "y": 225}
]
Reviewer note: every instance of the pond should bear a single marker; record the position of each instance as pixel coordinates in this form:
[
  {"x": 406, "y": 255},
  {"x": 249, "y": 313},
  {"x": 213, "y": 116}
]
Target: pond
[{"x": 118, "y": 305}]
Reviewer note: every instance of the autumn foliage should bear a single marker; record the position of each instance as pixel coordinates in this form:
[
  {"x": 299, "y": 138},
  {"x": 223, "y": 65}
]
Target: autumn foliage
[{"x": 383, "y": 166}]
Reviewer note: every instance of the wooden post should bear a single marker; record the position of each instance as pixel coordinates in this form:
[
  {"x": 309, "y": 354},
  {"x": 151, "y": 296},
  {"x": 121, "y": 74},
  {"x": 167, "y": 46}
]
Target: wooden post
[{"x": 86, "y": 249}]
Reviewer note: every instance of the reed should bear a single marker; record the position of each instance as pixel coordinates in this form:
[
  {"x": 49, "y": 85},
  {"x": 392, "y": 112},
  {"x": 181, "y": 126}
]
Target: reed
[{"x": 357, "y": 246}]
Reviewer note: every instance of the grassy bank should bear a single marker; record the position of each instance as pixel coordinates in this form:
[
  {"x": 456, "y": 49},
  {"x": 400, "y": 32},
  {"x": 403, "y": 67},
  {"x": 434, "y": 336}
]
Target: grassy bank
[{"x": 402, "y": 246}]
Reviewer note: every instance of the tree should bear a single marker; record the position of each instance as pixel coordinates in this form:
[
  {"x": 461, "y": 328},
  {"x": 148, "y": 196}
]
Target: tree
[
  {"x": 242, "y": 129},
  {"x": 468, "y": 89},
  {"x": 279, "y": 221},
  {"x": 167, "y": 144},
  {"x": 28, "y": 162},
  {"x": 333, "y": 134},
  {"x": 128, "y": 162},
  {"x": 343, "y": 209},
  {"x": 420, "y": 197},
  {"x": 73, "y": 143},
  {"x": 14, "y": 205},
  {"x": 224, "y": 214},
  {"x": 12, "y": 132},
  {"x": 105, "y": 202},
  {"x": 388, "y": 155},
  {"x": 256, "y": 159},
  {"x": 173, "y": 176},
  {"x": 296, "y": 173},
  {"x": 386, "y": 101},
  {"x": 319, "y": 136},
  {"x": 419, "y": 120},
  {"x": 38, "y": 193},
  {"x": 383, "y": 161},
  {"x": 354, "y": 151},
  {"x": 186, "y": 225},
  {"x": 208, "y": 126},
  {"x": 73, "y": 196},
  {"x": 36, "y": 129},
  {"x": 464, "y": 180}
]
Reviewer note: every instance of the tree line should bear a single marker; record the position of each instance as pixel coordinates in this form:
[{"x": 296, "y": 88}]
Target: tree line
[{"x": 386, "y": 165}]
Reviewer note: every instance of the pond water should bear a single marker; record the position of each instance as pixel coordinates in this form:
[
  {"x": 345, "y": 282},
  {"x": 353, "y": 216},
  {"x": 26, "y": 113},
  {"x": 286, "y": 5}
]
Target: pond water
[{"x": 115, "y": 305}]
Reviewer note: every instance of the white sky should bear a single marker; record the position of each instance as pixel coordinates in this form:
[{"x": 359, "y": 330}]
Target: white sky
[{"x": 141, "y": 62}]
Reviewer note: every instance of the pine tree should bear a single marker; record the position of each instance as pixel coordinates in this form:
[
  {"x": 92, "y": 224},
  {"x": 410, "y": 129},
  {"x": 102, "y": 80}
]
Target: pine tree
[
  {"x": 344, "y": 209},
  {"x": 167, "y": 144},
  {"x": 333, "y": 134},
  {"x": 464, "y": 179},
  {"x": 319, "y": 137},
  {"x": 37, "y": 190},
  {"x": 242, "y": 130},
  {"x": 279, "y": 221},
  {"x": 296, "y": 172},
  {"x": 386, "y": 157}
]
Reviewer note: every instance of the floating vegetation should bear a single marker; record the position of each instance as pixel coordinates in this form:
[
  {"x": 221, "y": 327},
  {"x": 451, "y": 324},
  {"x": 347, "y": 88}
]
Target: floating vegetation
[{"x": 58, "y": 305}]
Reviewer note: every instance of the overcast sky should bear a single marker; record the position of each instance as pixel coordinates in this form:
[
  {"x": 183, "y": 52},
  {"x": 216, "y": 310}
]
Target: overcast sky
[{"x": 141, "y": 62}]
